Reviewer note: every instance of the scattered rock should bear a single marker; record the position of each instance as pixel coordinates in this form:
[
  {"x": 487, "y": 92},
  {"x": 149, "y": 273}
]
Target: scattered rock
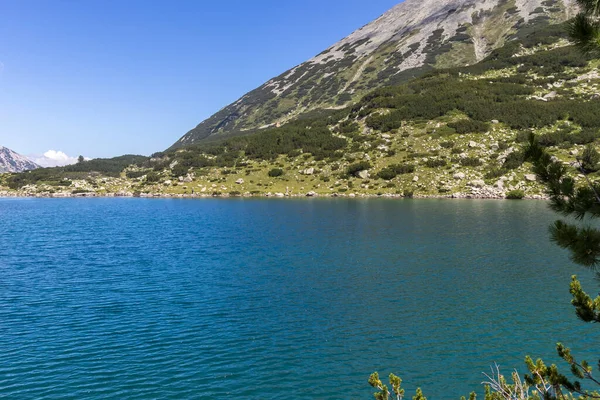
[
  {"x": 590, "y": 75},
  {"x": 416, "y": 179},
  {"x": 240, "y": 181},
  {"x": 495, "y": 121},
  {"x": 363, "y": 174},
  {"x": 477, "y": 183},
  {"x": 459, "y": 176},
  {"x": 311, "y": 194},
  {"x": 473, "y": 144},
  {"x": 551, "y": 95},
  {"x": 531, "y": 177},
  {"x": 308, "y": 171}
]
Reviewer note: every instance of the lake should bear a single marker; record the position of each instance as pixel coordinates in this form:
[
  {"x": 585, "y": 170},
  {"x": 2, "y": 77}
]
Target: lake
[{"x": 266, "y": 299}]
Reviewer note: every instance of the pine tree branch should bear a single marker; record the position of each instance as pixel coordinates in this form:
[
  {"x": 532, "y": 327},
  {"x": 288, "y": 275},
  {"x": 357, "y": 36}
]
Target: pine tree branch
[{"x": 584, "y": 172}]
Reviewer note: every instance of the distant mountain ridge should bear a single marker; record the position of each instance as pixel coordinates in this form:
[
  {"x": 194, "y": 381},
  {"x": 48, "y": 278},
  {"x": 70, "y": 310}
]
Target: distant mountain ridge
[
  {"x": 413, "y": 37},
  {"x": 11, "y": 161}
]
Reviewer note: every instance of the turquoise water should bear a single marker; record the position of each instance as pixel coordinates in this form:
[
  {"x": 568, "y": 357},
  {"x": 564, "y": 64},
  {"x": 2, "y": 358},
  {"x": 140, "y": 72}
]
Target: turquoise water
[{"x": 257, "y": 299}]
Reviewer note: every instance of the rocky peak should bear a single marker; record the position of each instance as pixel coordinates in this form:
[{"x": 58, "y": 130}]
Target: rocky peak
[
  {"x": 408, "y": 40},
  {"x": 14, "y": 162}
]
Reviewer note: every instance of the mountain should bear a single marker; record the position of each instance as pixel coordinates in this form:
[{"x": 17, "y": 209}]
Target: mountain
[
  {"x": 412, "y": 38},
  {"x": 14, "y": 162},
  {"x": 451, "y": 132},
  {"x": 455, "y": 132}
]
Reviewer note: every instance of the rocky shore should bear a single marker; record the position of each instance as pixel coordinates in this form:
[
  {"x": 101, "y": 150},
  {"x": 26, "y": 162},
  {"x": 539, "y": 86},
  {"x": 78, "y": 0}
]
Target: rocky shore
[{"x": 474, "y": 196}]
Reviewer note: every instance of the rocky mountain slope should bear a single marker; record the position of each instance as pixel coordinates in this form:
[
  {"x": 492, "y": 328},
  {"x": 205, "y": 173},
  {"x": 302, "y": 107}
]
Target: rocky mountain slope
[
  {"x": 456, "y": 132},
  {"x": 13, "y": 162},
  {"x": 410, "y": 39}
]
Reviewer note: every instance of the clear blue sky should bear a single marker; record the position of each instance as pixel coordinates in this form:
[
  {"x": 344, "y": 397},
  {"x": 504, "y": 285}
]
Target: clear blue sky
[{"x": 108, "y": 77}]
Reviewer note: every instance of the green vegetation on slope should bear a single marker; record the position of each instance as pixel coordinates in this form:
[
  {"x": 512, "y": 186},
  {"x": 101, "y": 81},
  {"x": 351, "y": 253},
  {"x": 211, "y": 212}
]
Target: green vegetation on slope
[
  {"x": 62, "y": 176},
  {"x": 452, "y": 131},
  {"x": 341, "y": 76}
]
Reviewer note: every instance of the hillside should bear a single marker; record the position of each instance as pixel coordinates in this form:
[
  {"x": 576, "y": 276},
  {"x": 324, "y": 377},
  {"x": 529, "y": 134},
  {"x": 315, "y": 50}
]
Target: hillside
[
  {"x": 454, "y": 132},
  {"x": 409, "y": 40},
  {"x": 11, "y": 161}
]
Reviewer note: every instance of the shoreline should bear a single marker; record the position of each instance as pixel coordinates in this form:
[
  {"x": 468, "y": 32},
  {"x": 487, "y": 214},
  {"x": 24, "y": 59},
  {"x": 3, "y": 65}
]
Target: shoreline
[{"x": 310, "y": 195}]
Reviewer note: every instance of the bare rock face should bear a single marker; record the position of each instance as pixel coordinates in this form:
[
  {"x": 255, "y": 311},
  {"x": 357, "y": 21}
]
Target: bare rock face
[
  {"x": 531, "y": 177},
  {"x": 363, "y": 174},
  {"x": 14, "y": 162},
  {"x": 408, "y": 40}
]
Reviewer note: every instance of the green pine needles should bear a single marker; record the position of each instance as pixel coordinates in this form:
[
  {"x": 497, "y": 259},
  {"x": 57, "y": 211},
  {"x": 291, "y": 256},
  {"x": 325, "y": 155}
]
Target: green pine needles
[{"x": 584, "y": 29}]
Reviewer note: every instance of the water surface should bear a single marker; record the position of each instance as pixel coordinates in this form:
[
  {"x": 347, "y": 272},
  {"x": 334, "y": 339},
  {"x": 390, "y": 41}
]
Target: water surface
[{"x": 265, "y": 299}]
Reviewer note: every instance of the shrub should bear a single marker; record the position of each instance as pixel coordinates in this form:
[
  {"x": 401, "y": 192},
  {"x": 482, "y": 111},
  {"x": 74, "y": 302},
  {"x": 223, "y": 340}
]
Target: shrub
[
  {"x": 494, "y": 173},
  {"x": 587, "y": 135},
  {"x": 152, "y": 177},
  {"x": 348, "y": 126},
  {"x": 355, "y": 168},
  {"x": 431, "y": 163},
  {"x": 387, "y": 174},
  {"x": 135, "y": 174},
  {"x": 590, "y": 159},
  {"x": 275, "y": 172},
  {"x": 160, "y": 166},
  {"x": 390, "y": 172},
  {"x": 445, "y": 131},
  {"x": 470, "y": 162},
  {"x": 522, "y": 136},
  {"x": 469, "y": 126},
  {"x": 564, "y": 138},
  {"x": 514, "y": 160},
  {"x": 515, "y": 195},
  {"x": 179, "y": 170}
]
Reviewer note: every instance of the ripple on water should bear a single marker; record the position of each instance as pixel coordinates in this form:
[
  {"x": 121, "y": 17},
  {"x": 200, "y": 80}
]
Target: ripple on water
[{"x": 145, "y": 299}]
